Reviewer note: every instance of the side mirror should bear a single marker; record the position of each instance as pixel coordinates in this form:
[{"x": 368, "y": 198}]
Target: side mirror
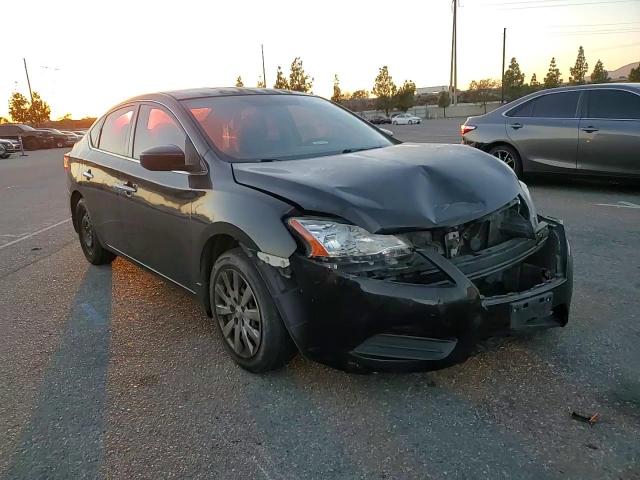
[
  {"x": 388, "y": 132},
  {"x": 163, "y": 158}
]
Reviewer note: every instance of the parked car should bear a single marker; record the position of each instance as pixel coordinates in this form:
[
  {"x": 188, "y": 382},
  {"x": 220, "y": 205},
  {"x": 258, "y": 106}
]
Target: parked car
[
  {"x": 7, "y": 147},
  {"x": 73, "y": 136},
  {"x": 380, "y": 119},
  {"x": 577, "y": 130},
  {"x": 32, "y": 139},
  {"x": 405, "y": 119},
  {"x": 80, "y": 133},
  {"x": 299, "y": 226},
  {"x": 60, "y": 139}
]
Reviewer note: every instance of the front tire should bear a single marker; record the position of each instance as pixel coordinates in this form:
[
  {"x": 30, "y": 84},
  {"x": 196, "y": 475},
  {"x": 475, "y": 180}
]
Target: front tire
[
  {"x": 509, "y": 156},
  {"x": 89, "y": 241},
  {"x": 246, "y": 316}
]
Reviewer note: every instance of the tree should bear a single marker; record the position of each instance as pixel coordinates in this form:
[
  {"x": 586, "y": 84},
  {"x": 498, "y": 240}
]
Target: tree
[
  {"x": 239, "y": 82},
  {"x": 337, "y": 93},
  {"x": 299, "y": 81},
  {"x": 281, "y": 81},
  {"x": 579, "y": 70},
  {"x": 634, "y": 74},
  {"x": 261, "y": 83},
  {"x": 3, "y": 120},
  {"x": 19, "y": 108},
  {"x": 553, "y": 78},
  {"x": 444, "y": 101},
  {"x": 513, "y": 80},
  {"x": 534, "y": 83},
  {"x": 385, "y": 90},
  {"x": 406, "y": 96},
  {"x": 39, "y": 110},
  {"x": 599, "y": 74},
  {"x": 483, "y": 91},
  {"x": 360, "y": 94}
]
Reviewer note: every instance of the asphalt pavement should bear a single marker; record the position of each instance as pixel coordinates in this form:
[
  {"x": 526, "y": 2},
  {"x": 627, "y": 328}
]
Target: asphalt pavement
[{"x": 109, "y": 372}]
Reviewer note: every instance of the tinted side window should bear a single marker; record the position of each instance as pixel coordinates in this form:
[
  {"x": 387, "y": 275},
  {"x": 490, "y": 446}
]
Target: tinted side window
[
  {"x": 115, "y": 131},
  {"x": 157, "y": 127},
  {"x": 613, "y": 104},
  {"x": 94, "y": 134},
  {"x": 556, "y": 105},
  {"x": 523, "y": 110}
]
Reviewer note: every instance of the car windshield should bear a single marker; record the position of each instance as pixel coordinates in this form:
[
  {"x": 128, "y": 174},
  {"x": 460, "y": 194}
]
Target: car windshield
[{"x": 250, "y": 128}]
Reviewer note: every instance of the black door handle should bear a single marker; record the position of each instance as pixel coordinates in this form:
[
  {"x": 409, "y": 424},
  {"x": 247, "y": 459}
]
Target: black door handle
[
  {"x": 589, "y": 129},
  {"x": 516, "y": 126}
]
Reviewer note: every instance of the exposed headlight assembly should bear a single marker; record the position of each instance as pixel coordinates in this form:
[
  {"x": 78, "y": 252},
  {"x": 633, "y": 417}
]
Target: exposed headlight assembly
[
  {"x": 339, "y": 242},
  {"x": 533, "y": 214}
]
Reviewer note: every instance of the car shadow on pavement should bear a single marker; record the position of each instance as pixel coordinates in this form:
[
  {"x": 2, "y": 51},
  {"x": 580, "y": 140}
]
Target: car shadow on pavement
[{"x": 64, "y": 438}]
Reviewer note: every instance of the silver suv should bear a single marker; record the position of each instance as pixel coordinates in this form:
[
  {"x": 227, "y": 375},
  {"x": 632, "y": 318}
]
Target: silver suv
[{"x": 580, "y": 130}]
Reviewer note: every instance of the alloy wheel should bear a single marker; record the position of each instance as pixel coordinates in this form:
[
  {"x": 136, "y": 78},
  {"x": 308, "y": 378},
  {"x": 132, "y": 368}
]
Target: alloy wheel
[
  {"x": 238, "y": 312},
  {"x": 506, "y": 157},
  {"x": 86, "y": 232}
]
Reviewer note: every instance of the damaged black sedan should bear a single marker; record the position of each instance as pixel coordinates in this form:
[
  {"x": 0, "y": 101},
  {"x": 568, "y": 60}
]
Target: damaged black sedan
[{"x": 302, "y": 227}]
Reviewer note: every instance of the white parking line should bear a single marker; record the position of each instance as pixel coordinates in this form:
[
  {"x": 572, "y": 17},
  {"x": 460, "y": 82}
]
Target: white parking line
[
  {"x": 33, "y": 234},
  {"x": 619, "y": 205}
]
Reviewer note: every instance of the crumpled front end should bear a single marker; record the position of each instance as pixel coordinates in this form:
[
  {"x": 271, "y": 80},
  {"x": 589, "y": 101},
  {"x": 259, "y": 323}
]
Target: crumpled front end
[{"x": 427, "y": 310}]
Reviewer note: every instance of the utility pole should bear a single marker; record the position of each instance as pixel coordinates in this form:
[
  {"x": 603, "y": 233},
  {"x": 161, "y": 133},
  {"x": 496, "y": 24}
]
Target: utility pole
[
  {"x": 504, "y": 43},
  {"x": 24, "y": 60},
  {"x": 264, "y": 75},
  {"x": 453, "y": 77}
]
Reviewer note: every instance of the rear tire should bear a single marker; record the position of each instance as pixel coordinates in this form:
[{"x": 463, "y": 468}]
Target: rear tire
[
  {"x": 246, "y": 317},
  {"x": 509, "y": 156},
  {"x": 89, "y": 241}
]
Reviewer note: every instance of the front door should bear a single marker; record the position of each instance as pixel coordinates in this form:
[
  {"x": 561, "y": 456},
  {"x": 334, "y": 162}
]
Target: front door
[
  {"x": 610, "y": 133},
  {"x": 157, "y": 208},
  {"x": 545, "y": 132}
]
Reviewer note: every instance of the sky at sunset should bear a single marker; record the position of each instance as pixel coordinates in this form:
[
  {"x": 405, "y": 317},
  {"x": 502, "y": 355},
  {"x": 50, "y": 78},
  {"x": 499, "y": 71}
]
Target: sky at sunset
[{"x": 86, "y": 57}]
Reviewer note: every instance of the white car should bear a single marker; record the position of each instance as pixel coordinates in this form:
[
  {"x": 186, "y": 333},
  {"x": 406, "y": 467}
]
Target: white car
[{"x": 405, "y": 119}]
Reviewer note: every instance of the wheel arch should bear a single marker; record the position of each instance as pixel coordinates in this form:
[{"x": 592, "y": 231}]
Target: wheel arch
[
  {"x": 488, "y": 146},
  {"x": 76, "y": 196},
  {"x": 219, "y": 238}
]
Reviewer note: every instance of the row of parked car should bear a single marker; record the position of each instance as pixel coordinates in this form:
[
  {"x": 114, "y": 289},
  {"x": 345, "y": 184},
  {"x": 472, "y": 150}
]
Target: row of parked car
[
  {"x": 395, "y": 119},
  {"x": 34, "y": 138}
]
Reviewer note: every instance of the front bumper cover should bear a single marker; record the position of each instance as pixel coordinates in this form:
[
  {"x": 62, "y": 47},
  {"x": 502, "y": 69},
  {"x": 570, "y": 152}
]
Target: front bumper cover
[{"x": 350, "y": 321}]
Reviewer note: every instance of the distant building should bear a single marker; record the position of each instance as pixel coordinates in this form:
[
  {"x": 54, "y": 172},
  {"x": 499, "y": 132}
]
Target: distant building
[{"x": 432, "y": 90}]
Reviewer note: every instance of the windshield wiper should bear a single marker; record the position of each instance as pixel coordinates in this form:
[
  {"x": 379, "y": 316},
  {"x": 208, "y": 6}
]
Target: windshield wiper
[{"x": 353, "y": 150}]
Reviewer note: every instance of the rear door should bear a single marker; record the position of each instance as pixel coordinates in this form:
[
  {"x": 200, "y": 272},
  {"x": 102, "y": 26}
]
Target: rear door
[
  {"x": 609, "y": 135},
  {"x": 157, "y": 206},
  {"x": 101, "y": 175},
  {"x": 545, "y": 131}
]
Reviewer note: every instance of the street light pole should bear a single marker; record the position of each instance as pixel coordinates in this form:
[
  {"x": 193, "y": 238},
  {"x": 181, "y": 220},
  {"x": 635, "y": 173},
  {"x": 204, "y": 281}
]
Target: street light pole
[
  {"x": 504, "y": 43},
  {"x": 264, "y": 75},
  {"x": 24, "y": 60}
]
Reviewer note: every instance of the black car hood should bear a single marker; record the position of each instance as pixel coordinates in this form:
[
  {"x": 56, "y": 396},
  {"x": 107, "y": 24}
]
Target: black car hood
[{"x": 401, "y": 187}]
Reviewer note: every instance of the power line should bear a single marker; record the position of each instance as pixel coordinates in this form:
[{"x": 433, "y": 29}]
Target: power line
[
  {"x": 578, "y": 25},
  {"x": 552, "y": 5}
]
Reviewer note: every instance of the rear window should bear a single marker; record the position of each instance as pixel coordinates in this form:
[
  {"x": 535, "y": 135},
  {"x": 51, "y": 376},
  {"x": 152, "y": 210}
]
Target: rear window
[
  {"x": 115, "y": 131},
  {"x": 616, "y": 104},
  {"x": 556, "y": 105},
  {"x": 281, "y": 127},
  {"x": 523, "y": 110}
]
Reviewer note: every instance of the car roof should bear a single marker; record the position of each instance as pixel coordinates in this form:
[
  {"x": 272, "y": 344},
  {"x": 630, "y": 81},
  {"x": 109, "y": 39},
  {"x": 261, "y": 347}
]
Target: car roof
[
  {"x": 587, "y": 86},
  {"x": 204, "y": 92}
]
